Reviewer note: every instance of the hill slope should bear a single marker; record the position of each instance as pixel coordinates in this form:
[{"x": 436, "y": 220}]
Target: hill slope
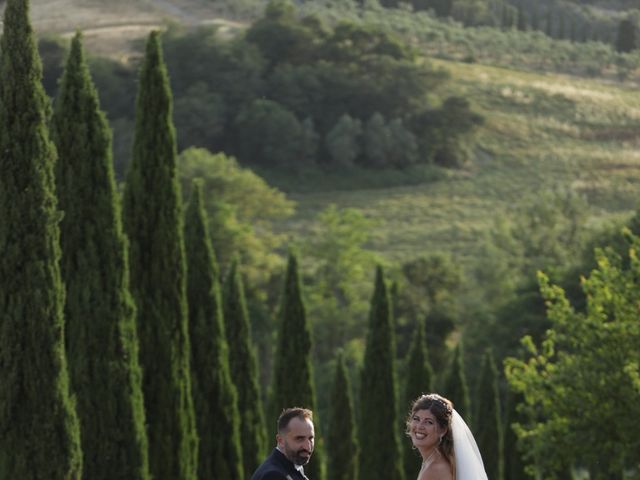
[{"x": 542, "y": 131}]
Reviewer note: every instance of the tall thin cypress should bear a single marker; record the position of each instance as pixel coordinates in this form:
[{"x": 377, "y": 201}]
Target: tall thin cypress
[
  {"x": 342, "y": 447},
  {"x": 419, "y": 378},
  {"x": 39, "y": 428},
  {"x": 292, "y": 376},
  {"x": 488, "y": 419},
  {"x": 244, "y": 371},
  {"x": 214, "y": 395},
  {"x": 101, "y": 335},
  {"x": 514, "y": 465},
  {"x": 379, "y": 426},
  {"x": 153, "y": 222},
  {"x": 456, "y": 388}
]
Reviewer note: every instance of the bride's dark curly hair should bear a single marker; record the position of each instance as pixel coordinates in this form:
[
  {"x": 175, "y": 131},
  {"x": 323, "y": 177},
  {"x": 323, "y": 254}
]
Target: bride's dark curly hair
[{"x": 442, "y": 409}]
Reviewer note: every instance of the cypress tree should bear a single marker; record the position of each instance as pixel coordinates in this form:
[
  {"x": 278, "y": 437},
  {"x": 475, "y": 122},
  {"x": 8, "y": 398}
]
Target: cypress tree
[
  {"x": 561, "y": 34},
  {"x": 153, "y": 222},
  {"x": 292, "y": 376},
  {"x": 549, "y": 23},
  {"x": 379, "y": 426},
  {"x": 521, "y": 23},
  {"x": 514, "y": 466},
  {"x": 214, "y": 396},
  {"x": 39, "y": 428},
  {"x": 101, "y": 335},
  {"x": 488, "y": 419},
  {"x": 244, "y": 371},
  {"x": 419, "y": 378},
  {"x": 626, "y": 38},
  {"x": 456, "y": 388},
  {"x": 342, "y": 448}
]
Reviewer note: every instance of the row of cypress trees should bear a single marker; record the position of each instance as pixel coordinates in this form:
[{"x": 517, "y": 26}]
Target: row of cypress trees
[
  {"x": 147, "y": 385},
  {"x": 160, "y": 362}
]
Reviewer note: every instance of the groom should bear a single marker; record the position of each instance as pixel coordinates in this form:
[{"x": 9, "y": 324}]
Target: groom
[{"x": 295, "y": 445}]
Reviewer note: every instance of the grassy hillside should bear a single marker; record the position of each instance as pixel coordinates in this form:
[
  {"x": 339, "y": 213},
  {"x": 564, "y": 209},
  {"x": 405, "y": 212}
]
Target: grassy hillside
[
  {"x": 541, "y": 132},
  {"x": 112, "y": 27}
]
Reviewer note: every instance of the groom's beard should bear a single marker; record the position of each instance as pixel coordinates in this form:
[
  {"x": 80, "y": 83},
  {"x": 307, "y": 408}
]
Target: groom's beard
[{"x": 299, "y": 457}]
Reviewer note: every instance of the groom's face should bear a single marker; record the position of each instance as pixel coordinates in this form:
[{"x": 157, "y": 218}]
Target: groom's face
[{"x": 297, "y": 442}]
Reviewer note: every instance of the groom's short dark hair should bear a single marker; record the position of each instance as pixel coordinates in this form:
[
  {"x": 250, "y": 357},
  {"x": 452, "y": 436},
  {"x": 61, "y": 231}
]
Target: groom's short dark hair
[{"x": 289, "y": 413}]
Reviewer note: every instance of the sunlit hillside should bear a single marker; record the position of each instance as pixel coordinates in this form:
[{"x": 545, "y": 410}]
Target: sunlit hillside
[
  {"x": 541, "y": 131},
  {"x": 111, "y": 26}
]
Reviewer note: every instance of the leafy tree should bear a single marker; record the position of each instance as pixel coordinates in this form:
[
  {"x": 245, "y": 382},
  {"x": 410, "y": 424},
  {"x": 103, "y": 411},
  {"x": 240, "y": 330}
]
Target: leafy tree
[
  {"x": 213, "y": 78},
  {"x": 403, "y": 145},
  {"x": 545, "y": 231},
  {"x": 455, "y": 385},
  {"x": 418, "y": 380},
  {"x": 352, "y": 42},
  {"x": 343, "y": 141},
  {"x": 293, "y": 375},
  {"x": 101, "y": 334},
  {"x": 378, "y": 393},
  {"x": 242, "y": 210},
  {"x": 584, "y": 374},
  {"x": 430, "y": 285},
  {"x": 280, "y": 37},
  {"x": 214, "y": 394},
  {"x": 448, "y": 132},
  {"x": 40, "y": 430},
  {"x": 342, "y": 447},
  {"x": 270, "y": 135},
  {"x": 338, "y": 267},
  {"x": 200, "y": 117},
  {"x": 627, "y": 38},
  {"x": 154, "y": 224},
  {"x": 487, "y": 417},
  {"x": 471, "y": 12},
  {"x": 244, "y": 371},
  {"x": 442, "y": 8},
  {"x": 377, "y": 141}
]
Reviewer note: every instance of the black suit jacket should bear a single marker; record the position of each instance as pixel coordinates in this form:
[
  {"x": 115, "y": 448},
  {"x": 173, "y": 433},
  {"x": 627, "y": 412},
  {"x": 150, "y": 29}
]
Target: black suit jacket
[{"x": 277, "y": 467}]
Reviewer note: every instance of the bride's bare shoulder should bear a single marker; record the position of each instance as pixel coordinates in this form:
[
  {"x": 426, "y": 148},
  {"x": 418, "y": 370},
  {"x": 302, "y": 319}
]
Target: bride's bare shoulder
[{"x": 440, "y": 470}]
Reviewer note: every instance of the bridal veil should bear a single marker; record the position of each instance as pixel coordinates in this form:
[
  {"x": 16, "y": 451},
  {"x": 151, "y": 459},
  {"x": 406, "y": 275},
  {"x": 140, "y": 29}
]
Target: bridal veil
[{"x": 469, "y": 464}]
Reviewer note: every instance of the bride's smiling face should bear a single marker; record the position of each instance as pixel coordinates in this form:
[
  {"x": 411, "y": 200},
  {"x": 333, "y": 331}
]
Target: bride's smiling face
[{"x": 424, "y": 430}]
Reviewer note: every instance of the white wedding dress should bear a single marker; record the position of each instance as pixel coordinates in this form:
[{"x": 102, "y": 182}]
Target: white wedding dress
[{"x": 469, "y": 464}]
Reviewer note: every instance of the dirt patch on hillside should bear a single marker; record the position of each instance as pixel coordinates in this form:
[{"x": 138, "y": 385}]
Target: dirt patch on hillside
[{"x": 114, "y": 28}]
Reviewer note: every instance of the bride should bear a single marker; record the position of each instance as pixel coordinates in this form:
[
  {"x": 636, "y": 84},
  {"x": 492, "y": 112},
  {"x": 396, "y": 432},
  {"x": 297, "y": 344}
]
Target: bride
[{"x": 444, "y": 441}]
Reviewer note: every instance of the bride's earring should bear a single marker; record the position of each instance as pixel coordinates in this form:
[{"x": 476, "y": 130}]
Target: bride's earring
[{"x": 441, "y": 439}]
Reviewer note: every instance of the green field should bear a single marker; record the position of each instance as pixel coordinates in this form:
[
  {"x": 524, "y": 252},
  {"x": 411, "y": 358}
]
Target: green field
[{"x": 541, "y": 131}]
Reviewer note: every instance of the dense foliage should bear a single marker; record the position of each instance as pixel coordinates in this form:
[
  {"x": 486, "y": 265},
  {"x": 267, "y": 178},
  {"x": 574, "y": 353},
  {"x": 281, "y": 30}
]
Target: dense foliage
[
  {"x": 40, "y": 430},
  {"x": 101, "y": 331},
  {"x": 215, "y": 397},
  {"x": 379, "y": 425},
  {"x": 293, "y": 382},
  {"x": 418, "y": 381},
  {"x": 342, "y": 444},
  {"x": 487, "y": 418},
  {"x": 244, "y": 371},
  {"x": 153, "y": 219},
  {"x": 584, "y": 373}
]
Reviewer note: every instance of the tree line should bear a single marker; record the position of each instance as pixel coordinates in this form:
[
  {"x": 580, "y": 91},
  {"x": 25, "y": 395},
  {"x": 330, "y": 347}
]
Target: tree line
[{"x": 294, "y": 92}]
